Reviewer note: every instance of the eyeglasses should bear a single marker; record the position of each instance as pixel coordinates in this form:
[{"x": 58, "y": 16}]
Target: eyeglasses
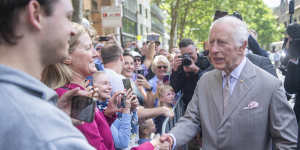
[{"x": 160, "y": 67}]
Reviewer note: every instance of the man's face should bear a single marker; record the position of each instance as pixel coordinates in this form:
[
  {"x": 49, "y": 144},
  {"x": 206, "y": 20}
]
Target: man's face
[
  {"x": 190, "y": 50},
  {"x": 224, "y": 54},
  {"x": 57, "y": 30}
]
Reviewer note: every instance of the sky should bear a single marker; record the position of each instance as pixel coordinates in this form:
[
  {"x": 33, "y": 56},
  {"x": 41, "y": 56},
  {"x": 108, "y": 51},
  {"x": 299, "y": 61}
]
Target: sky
[{"x": 272, "y": 3}]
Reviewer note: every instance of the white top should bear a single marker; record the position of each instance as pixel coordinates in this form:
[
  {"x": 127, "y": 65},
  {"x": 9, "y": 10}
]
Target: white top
[{"x": 234, "y": 75}]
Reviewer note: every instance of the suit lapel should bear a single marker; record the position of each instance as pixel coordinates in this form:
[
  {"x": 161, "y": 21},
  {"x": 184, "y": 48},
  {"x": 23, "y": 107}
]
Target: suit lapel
[
  {"x": 218, "y": 92},
  {"x": 242, "y": 87}
]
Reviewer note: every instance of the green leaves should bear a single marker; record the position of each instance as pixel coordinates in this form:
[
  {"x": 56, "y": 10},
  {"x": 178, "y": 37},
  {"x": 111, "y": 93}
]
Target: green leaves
[{"x": 194, "y": 18}]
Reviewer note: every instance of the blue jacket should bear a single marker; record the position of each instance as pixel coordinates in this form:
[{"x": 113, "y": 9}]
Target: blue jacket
[{"x": 122, "y": 128}]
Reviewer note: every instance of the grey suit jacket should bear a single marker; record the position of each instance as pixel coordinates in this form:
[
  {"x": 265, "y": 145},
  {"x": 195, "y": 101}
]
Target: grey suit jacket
[{"x": 243, "y": 126}]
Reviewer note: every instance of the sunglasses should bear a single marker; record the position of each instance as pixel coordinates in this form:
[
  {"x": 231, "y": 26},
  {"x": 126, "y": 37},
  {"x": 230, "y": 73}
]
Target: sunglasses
[
  {"x": 137, "y": 60},
  {"x": 160, "y": 67}
]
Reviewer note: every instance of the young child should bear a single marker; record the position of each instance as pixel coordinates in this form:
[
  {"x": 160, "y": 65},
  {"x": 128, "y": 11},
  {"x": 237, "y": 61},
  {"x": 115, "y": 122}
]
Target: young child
[
  {"x": 146, "y": 130},
  {"x": 165, "y": 94}
]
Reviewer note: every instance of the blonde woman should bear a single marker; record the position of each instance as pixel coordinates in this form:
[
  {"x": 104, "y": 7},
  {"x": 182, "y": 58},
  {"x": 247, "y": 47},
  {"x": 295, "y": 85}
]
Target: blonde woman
[{"x": 71, "y": 74}]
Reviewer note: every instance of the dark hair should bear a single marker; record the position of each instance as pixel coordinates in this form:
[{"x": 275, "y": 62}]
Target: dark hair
[
  {"x": 9, "y": 17},
  {"x": 110, "y": 53},
  {"x": 293, "y": 30},
  {"x": 185, "y": 43}
]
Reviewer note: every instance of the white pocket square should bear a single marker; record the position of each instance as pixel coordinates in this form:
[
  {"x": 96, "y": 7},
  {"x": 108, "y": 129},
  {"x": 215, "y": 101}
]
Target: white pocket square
[{"x": 252, "y": 105}]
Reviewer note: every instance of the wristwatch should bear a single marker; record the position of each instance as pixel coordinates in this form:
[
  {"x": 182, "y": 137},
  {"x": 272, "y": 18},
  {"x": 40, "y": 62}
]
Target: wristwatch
[{"x": 149, "y": 89}]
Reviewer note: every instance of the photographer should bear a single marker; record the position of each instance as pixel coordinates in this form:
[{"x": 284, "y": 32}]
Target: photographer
[
  {"x": 292, "y": 80},
  {"x": 188, "y": 67}
]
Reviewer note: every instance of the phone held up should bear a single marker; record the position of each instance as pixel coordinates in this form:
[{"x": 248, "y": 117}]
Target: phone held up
[
  {"x": 127, "y": 86},
  {"x": 83, "y": 108},
  {"x": 103, "y": 38},
  {"x": 141, "y": 72},
  {"x": 166, "y": 79}
]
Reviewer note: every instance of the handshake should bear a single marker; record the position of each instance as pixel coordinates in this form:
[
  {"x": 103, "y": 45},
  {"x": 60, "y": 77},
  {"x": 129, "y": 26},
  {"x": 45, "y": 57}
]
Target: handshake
[{"x": 164, "y": 142}]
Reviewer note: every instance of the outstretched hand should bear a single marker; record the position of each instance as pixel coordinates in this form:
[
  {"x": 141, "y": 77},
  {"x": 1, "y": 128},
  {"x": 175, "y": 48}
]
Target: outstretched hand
[{"x": 160, "y": 145}]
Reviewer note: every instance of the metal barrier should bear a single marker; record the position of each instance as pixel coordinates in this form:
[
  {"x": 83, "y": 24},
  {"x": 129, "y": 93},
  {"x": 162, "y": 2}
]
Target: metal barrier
[{"x": 178, "y": 112}]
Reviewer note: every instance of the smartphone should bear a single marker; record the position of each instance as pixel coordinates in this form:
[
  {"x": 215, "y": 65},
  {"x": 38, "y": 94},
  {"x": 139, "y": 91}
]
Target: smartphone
[
  {"x": 141, "y": 71},
  {"x": 153, "y": 37},
  {"x": 83, "y": 108},
  {"x": 103, "y": 38},
  {"x": 166, "y": 78},
  {"x": 127, "y": 84}
]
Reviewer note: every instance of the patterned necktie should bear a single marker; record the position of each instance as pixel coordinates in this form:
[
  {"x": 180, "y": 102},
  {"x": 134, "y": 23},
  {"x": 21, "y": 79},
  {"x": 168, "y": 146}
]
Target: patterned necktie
[{"x": 226, "y": 92}]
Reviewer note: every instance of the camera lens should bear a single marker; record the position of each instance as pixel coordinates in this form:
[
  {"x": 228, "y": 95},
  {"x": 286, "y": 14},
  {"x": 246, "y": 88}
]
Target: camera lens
[{"x": 186, "y": 60}]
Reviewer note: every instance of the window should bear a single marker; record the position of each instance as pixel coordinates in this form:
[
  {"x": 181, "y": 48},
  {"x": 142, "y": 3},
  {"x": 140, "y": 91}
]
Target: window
[
  {"x": 141, "y": 9},
  {"x": 129, "y": 26},
  {"x": 146, "y": 13},
  {"x": 141, "y": 30}
]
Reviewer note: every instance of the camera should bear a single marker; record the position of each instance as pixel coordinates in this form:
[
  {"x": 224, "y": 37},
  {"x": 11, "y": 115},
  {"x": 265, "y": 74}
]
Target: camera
[
  {"x": 103, "y": 38},
  {"x": 186, "y": 59}
]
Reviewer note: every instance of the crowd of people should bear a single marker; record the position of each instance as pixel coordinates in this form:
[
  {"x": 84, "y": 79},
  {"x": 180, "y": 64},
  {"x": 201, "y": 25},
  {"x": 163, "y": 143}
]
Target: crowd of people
[{"x": 230, "y": 91}]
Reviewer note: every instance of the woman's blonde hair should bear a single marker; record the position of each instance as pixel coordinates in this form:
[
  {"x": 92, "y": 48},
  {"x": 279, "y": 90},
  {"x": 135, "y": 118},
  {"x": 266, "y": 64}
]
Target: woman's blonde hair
[
  {"x": 160, "y": 59},
  {"x": 57, "y": 75}
]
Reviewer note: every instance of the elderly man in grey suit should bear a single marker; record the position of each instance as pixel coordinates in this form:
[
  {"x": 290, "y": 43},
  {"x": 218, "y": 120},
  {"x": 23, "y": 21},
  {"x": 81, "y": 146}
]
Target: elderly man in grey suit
[{"x": 237, "y": 106}]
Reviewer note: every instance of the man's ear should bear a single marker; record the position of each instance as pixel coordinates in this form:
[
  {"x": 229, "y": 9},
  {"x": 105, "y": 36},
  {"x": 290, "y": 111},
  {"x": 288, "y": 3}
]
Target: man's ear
[
  {"x": 242, "y": 49},
  {"x": 68, "y": 60},
  {"x": 35, "y": 13},
  {"x": 122, "y": 58}
]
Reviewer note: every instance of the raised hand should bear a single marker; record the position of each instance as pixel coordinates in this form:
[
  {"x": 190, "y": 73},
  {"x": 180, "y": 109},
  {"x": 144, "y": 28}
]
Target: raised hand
[
  {"x": 65, "y": 101},
  {"x": 112, "y": 106}
]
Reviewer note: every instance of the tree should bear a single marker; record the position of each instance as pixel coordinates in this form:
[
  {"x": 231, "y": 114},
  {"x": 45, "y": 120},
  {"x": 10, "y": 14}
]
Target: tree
[{"x": 194, "y": 17}]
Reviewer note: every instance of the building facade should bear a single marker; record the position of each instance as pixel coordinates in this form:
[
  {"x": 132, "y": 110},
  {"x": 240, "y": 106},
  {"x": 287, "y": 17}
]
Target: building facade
[
  {"x": 139, "y": 18},
  {"x": 282, "y": 12},
  {"x": 158, "y": 25}
]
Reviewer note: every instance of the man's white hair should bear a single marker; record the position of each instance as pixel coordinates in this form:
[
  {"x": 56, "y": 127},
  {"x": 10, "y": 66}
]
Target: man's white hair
[{"x": 240, "y": 32}]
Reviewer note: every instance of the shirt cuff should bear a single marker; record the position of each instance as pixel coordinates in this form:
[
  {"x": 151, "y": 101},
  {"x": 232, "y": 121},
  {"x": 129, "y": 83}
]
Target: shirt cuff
[
  {"x": 295, "y": 61},
  {"x": 174, "y": 140}
]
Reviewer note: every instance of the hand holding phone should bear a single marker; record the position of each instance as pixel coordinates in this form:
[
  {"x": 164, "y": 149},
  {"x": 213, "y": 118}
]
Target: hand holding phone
[{"x": 127, "y": 86}]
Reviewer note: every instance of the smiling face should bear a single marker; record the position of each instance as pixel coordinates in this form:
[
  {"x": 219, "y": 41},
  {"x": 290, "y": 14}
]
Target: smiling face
[
  {"x": 161, "y": 70},
  {"x": 102, "y": 83},
  {"x": 224, "y": 52},
  {"x": 128, "y": 66},
  {"x": 82, "y": 56},
  {"x": 168, "y": 96}
]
